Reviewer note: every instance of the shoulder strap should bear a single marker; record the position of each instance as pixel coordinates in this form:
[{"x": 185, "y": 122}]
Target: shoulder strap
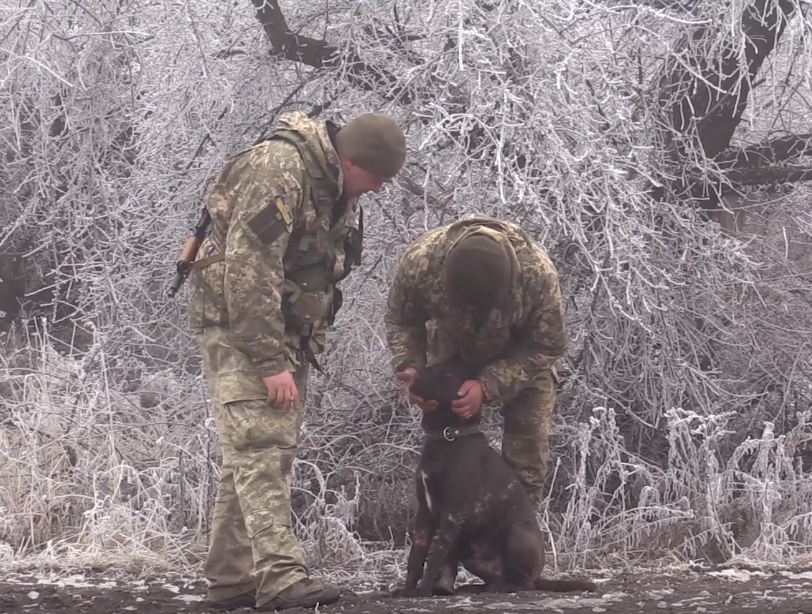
[{"x": 294, "y": 139}]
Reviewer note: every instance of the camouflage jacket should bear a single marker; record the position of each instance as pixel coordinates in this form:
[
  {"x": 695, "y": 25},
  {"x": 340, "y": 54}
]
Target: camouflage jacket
[
  {"x": 515, "y": 343},
  {"x": 287, "y": 235}
]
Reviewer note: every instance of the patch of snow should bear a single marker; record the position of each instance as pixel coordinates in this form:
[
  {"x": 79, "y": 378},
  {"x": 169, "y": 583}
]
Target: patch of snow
[
  {"x": 660, "y": 592},
  {"x": 615, "y": 595},
  {"x": 171, "y": 587},
  {"x": 503, "y": 605},
  {"x": 74, "y": 581},
  {"x": 687, "y": 601},
  {"x": 555, "y": 603},
  {"x": 734, "y": 574},
  {"x": 804, "y": 575}
]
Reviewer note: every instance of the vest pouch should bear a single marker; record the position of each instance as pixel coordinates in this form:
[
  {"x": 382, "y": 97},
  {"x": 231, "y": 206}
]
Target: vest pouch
[
  {"x": 309, "y": 252},
  {"x": 316, "y": 247},
  {"x": 307, "y": 297}
]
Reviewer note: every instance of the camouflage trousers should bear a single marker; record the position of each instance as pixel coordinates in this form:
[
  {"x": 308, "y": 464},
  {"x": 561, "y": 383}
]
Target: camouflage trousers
[
  {"x": 252, "y": 547},
  {"x": 525, "y": 440}
]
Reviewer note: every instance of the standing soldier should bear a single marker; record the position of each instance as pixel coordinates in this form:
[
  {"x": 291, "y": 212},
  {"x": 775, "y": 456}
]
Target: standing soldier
[
  {"x": 484, "y": 290},
  {"x": 286, "y": 227}
]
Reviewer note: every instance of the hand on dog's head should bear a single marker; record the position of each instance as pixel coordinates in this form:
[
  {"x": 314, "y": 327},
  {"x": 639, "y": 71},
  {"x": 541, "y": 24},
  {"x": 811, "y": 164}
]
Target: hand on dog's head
[{"x": 441, "y": 383}]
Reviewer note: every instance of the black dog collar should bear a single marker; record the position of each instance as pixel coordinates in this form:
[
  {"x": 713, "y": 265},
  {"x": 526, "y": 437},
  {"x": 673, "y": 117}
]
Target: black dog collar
[{"x": 450, "y": 433}]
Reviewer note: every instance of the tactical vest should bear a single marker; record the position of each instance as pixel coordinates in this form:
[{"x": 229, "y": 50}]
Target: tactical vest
[{"x": 310, "y": 298}]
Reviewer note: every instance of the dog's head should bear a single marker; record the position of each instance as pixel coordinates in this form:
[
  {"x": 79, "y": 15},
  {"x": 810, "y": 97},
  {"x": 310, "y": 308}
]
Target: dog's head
[{"x": 441, "y": 383}]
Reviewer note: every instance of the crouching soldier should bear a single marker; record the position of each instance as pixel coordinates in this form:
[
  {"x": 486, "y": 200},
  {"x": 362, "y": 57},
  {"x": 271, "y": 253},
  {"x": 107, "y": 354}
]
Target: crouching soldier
[{"x": 484, "y": 290}]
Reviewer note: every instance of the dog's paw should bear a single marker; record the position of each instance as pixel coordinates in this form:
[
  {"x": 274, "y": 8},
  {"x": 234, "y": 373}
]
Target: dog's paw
[
  {"x": 415, "y": 592},
  {"x": 442, "y": 591},
  {"x": 472, "y": 589},
  {"x": 403, "y": 591}
]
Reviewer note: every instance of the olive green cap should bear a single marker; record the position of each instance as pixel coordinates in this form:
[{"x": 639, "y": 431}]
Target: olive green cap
[
  {"x": 477, "y": 273},
  {"x": 375, "y": 143}
]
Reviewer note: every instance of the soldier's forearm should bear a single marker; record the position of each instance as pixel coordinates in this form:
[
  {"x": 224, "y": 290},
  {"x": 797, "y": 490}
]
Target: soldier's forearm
[
  {"x": 253, "y": 291},
  {"x": 405, "y": 319},
  {"x": 265, "y": 362},
  {"x": 255, "y": 274},
  {"x": 505, "y": 378},
  {"x": 272, "y": 366},
  {"x": 258, "y": 330},
  {"x": 407, "y": 345},
  {"x": 545, "y": 341}
]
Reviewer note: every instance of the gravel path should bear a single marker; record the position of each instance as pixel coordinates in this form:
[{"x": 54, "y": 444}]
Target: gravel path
[{"x": 725, "y": 591}]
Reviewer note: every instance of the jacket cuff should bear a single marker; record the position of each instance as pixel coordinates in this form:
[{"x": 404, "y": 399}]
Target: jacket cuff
[
  {"x": 275, "y": 366},
  {"x": 490, "y": 387},
  {"x": 409, "y": 361}
]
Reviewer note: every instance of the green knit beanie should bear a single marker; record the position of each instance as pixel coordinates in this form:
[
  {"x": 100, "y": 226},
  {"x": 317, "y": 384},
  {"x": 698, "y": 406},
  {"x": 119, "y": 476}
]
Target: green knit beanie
[
  {"x": 477, "y": 273},
  {"x": 375, "y": 143}
]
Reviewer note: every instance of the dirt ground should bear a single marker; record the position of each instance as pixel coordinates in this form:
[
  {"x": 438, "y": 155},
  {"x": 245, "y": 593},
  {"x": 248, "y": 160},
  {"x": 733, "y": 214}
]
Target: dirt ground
[{"x": 700, "y": 592}]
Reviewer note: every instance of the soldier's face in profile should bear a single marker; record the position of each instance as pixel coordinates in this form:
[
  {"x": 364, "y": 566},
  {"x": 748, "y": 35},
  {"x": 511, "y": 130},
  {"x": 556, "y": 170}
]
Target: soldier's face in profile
[{"x": 358, "y": 181}]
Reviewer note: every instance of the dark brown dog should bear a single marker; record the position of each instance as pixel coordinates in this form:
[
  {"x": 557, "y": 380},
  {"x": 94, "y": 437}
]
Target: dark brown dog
[{"x": 472, "y": 509}]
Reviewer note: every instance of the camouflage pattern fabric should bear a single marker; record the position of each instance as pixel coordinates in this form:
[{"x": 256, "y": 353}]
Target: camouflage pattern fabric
[
  {"x": 288, "y": 237},
  {"x": 252, "y": 546},
  {"x": 515, "y": 348},
  {"x": 275, "y": 214},
  {"x": 525, "y": 441}
]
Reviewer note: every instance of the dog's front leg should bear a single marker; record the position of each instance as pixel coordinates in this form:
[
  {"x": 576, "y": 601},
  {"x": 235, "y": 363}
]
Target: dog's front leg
[
  {"x": 443, "y": 541},
  {"x": 421, "y": 542},
  {"x": 424, "y": 525}
]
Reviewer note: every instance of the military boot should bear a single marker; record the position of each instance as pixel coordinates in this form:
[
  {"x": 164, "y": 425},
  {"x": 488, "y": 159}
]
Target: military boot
[
  {"x": 246, "y": 600},
  {"x": 306, "y": 593}
]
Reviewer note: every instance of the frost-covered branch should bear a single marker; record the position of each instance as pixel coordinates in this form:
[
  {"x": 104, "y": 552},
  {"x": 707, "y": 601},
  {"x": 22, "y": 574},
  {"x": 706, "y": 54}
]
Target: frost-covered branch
[{"x": 320, "y": 54}]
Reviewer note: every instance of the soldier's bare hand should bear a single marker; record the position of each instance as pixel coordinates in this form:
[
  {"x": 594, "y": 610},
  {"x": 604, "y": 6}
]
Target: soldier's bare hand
[
  {"x": 282, "y": 391},
  {"x": 470, "y": 399},
  {"x": 406, "y": 377}
]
